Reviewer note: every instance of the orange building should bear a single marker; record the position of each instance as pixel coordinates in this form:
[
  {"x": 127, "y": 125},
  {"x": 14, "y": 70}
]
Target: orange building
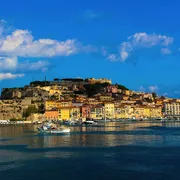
[{"x": 51, "y": 115}]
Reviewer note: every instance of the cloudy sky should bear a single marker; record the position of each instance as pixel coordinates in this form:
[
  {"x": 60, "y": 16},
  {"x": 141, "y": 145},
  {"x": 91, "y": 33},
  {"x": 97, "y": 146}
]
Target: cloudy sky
[{"x": 134, "y": 43}]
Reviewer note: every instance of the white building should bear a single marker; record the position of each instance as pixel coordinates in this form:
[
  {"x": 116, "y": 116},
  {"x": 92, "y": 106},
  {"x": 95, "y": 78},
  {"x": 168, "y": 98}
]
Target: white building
[{"x": 172, "y": 108}]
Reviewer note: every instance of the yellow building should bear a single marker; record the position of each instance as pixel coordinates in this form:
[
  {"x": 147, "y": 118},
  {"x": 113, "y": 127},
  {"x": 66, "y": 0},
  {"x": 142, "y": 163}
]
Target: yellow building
[
  {"x": 75, "y": 113},
  {"x": 49, "y": 104},
  {"x": 156, "y": 112},
  {"x": 64, "y": 113},
  {"x": 123, "y": 112},
  {"x": 96, "y": 112},
  {"x": 105, "y": 98},
  {"x": 65, "y": 103},
  {"x": 138, "y": 112},
  {"x": 147, "y": 112},
  {"x": 69, "y": 113},
  {"x": 142, "y": 112},
  {"x": 109, "y": 110},
  {"x": 119, "y": 112}
]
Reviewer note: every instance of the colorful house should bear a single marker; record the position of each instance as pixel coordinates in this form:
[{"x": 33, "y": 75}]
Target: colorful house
[
  {"x": 109, "y": 110},
  {"x": 64, "y": 113},
  {"x": 51, "y": 114},
  {"x": 97, "y": 112}
]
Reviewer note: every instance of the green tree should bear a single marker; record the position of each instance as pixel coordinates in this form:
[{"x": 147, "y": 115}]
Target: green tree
[
  {"x": 56, "y": 79},
  {"x": 41, "y": 108},
  {"x": 121, "y": 87},
  {"x": 91, "y": 89},
  {"x": 29, "y": 110},
  {"x": 154, "y": 95}
]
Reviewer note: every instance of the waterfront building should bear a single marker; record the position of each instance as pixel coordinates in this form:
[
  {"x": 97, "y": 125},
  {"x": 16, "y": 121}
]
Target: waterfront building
[
  {"x": 171, "y": 108},
  {"x": 96, "y": 112},
  {"x": 124, "y": 111},
  {"x": 109, "y": 110},
  {"x": 119, "y": 112},
  {"x": 85, "y": 111},
  {"x": 75, "y": 113},
  {"x": 156, "y": 112},
  {"x": 141, "y": 112},
  {"x": 51, "y": 114},
  {"x": 64, "y": 113}
]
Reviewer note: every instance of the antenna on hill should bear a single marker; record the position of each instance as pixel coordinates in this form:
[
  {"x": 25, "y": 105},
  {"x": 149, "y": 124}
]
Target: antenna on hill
[{"x": 45, "y": 80}]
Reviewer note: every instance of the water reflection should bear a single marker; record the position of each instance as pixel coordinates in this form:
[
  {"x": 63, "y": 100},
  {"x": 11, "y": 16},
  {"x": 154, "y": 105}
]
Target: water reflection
[
  {"x": 113, "y": 151},
  {"x": 111, "y": 134}
]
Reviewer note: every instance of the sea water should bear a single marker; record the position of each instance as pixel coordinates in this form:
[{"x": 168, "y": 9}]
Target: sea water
[{"x": 124, "y": 151}]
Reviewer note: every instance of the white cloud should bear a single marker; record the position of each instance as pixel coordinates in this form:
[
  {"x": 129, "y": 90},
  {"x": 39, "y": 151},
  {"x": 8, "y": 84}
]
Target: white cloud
[
  {"x": 104, "y": 51},
  {"x": 149, "y": 40},
  {"x": 21, "y": 43},
  {"x": 11, "y": 63},
  {"x": 34, "y": 66},
  {"x": 10, "y": 76},
  {"x": 8, "y": 63},
  {"x": 153, "y": 88},
  {"x": 165, "y": 51},
  {"x": 112, "y": 57},
  {"x": 142, "y": 88},
  {"x": 124, "y": 55},
  {"x": 90, "y": 14},
  {"x": 141, "y": 41}
]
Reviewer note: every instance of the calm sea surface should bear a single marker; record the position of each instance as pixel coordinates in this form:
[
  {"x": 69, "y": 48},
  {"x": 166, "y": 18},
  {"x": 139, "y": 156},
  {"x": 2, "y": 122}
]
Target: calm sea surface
[{"x": 124, "y": 151}]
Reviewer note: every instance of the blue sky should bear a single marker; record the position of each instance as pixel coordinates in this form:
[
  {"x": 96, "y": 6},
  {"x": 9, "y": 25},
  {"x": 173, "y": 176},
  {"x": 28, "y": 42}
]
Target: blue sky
[{"x": 134, "y": 43}]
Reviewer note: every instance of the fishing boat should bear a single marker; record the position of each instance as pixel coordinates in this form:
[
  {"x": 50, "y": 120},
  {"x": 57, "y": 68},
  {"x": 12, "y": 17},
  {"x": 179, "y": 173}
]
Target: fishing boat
[
  {"x": 89, "y": 122},
  {"x": 53, "y": 129}
]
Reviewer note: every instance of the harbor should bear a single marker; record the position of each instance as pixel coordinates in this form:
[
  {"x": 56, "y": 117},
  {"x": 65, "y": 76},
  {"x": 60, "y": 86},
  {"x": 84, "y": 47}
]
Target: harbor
[{"x": 116, "y": 149}]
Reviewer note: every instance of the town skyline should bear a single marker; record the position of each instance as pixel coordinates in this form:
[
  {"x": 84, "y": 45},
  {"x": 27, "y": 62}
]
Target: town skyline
[{"x": 150, "y": 89}]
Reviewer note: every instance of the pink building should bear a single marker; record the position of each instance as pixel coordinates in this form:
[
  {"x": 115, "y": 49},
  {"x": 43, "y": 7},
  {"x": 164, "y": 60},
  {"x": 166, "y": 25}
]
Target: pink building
[
  {"x": 85, "y": 110},
  {"x": 111, "y": 89}
]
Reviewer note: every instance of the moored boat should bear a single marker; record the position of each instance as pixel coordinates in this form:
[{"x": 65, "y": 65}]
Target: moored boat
[
  {"x": 53, "y": 129},
  {"x": 89, "y": 122}
]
